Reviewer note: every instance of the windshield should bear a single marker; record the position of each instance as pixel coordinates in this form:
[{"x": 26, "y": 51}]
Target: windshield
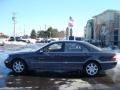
[{"x": 30, "y": 47}]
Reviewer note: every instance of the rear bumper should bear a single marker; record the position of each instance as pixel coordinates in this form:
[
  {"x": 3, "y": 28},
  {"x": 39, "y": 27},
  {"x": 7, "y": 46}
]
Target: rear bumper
[{"x": 108, "y": 65}]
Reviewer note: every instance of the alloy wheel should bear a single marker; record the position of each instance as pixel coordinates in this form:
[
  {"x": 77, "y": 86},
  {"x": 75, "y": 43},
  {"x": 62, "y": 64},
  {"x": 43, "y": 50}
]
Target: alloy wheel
[
  {"x": 92, "y": 69},
  {"x": 18, "y": 66}
]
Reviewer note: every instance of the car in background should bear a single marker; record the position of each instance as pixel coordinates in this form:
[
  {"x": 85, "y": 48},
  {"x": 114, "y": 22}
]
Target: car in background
[
  {"x": 45, "y": 40},
  {"x": 114, "y": 47},
  {"x": 18, "y": 39},
  {"x": 63, "y": 56},
  {"x": 2, "y": 43}
]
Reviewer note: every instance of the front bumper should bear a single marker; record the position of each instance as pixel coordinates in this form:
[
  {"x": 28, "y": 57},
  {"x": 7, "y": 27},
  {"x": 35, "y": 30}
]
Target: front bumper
[{"x": 7, "y": 64}]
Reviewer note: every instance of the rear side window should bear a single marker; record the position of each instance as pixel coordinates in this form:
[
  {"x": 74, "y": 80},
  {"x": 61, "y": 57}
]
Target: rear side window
[{"x": 75, "y": 47}]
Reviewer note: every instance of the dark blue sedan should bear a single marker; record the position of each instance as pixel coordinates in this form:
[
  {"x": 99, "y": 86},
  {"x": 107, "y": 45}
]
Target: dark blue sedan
[{"x": 63, "y": 56}]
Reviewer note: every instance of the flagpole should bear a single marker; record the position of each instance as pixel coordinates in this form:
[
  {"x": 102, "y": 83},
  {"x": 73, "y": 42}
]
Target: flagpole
[{"x": 70, "y": 25}]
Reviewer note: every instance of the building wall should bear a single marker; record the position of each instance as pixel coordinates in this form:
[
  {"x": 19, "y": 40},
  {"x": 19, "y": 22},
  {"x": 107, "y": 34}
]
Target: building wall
[{"x": 104, "y": 26}]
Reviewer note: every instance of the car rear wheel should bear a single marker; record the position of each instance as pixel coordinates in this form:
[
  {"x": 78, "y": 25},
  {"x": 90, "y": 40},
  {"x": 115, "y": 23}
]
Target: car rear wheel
[
  {"x": 92, "y": 69},
  {"x": 19, "y": 67}
]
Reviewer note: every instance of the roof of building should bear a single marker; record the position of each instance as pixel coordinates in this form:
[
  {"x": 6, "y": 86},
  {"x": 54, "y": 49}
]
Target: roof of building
[{"x": 109, "y": 10}]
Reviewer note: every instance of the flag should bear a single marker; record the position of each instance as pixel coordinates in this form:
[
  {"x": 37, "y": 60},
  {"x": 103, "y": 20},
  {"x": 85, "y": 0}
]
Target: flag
[{"x": 70, "y": 23}]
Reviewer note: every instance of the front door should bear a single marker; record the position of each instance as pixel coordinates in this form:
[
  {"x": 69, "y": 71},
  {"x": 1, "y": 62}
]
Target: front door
[{"x": 51, "y": 58}]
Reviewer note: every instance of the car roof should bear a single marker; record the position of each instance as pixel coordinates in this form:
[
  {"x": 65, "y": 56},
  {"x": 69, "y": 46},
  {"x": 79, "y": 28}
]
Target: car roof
[
  {"x": 69, "y": 41},
  {"x": 81, "y": 42}
]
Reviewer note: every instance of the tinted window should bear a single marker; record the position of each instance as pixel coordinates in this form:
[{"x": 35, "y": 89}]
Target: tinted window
[
  {"x": 75, "y": 47},
  {"x": 55, "y": 47}
]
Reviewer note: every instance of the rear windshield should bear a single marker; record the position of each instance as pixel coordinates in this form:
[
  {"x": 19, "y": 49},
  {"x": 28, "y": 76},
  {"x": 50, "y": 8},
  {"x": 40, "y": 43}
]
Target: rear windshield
[{"x": 92, "y": 46}]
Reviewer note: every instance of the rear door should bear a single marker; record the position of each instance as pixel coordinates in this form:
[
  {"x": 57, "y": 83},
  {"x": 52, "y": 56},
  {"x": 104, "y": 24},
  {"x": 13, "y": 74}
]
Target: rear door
[{"x": 75, "y": 55}]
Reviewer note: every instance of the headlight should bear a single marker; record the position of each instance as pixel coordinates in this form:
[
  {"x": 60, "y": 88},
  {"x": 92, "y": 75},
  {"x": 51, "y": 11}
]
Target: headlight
[{"x": 6, "y": 61}]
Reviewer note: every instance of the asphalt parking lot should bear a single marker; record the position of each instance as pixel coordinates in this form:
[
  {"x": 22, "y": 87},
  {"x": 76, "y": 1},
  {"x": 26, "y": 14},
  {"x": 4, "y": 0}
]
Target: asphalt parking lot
[{"x": 56, "y": 81}]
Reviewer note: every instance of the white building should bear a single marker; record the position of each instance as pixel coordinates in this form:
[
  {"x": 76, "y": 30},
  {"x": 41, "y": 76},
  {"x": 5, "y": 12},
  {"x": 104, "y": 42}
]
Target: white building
[{"x": 107, "y": 27}]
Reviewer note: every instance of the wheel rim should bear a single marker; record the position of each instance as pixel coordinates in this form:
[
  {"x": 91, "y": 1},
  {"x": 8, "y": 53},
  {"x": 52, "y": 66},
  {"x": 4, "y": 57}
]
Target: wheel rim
[
  {"x": 18, "y": 66},
  {"x": 92, "y": 69}
]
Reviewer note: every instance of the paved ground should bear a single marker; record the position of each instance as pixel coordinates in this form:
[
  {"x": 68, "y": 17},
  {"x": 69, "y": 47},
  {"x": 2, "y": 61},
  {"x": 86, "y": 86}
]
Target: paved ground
[{"x": 57, "y": 81}]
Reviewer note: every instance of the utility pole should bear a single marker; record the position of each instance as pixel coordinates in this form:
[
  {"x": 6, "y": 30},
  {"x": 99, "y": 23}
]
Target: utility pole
[
  {"x": 45, "y": 27},
  {"x": 14, "y": 22},
  {"x": 24, "y": 30}
]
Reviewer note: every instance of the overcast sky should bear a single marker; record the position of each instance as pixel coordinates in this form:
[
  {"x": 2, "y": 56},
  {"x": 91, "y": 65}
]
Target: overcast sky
[{"x": 35, "y": 14}]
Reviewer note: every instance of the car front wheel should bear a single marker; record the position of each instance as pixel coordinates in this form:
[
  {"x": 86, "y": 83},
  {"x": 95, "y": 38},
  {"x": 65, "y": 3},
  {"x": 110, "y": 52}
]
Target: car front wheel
[
  {"x": 92, "y": 69},
  {"x": 19, "y": 67}
]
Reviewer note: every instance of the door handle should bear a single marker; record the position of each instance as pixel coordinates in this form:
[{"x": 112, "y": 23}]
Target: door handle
[{"x": 66, "y": 62}]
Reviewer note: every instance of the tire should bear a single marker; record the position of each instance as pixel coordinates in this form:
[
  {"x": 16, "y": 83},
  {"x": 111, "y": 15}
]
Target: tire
[
  {"x": 19, "y": 66},
  {"x": 92, "y": 69}
]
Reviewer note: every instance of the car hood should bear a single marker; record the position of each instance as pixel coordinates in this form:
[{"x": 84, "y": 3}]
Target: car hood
[{"x": 23, "y": 51}]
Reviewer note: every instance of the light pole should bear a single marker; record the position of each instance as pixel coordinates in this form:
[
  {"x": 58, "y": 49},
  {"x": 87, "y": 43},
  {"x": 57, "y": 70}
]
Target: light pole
[
  {"x": 14, "y": 22},
  {"x": 67, "y": 33}
]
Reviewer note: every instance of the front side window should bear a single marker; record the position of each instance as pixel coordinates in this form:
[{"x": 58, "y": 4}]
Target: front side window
[
  {"x": 55, "y": 47},
  {"x": 75, "y": 47}
]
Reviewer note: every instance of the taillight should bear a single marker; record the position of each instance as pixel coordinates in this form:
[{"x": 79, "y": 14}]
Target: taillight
[{"x": 114, "y": 58}]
